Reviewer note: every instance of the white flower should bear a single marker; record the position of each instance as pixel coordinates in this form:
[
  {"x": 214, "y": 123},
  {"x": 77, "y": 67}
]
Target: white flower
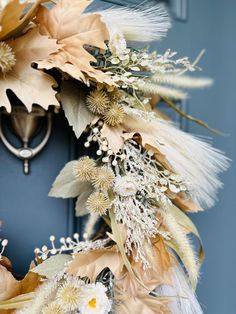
[
  {"x": 94, "y": 300},
  {"x": 125, "y": 186},
  {"x": 117, "y": 44}
]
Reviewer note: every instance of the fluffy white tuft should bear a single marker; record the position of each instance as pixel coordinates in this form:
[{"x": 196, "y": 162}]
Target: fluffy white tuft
[
  {"x": 197, "y": 161},
  {"x": 136, "y": 24}
]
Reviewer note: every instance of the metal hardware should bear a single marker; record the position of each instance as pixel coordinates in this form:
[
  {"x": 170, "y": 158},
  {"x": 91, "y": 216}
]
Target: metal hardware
[{"x": 25, "y": 125}]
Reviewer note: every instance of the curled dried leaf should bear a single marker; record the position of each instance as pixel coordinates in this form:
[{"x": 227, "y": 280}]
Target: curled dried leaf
[{"x": 15, "y": 16}]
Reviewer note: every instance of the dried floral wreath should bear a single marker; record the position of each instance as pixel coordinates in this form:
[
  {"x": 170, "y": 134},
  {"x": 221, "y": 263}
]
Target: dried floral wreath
[{"x": 144, "y": 176}]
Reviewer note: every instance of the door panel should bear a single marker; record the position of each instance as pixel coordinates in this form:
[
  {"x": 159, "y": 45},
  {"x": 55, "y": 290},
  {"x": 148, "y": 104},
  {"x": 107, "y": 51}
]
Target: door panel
[{"x": 28, "y": 215}]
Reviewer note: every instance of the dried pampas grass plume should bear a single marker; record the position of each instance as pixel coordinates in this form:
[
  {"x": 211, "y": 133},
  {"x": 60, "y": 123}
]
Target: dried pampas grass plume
[
  {"x": 183, "y": 81},
  {"x": 198, "y": 162},
  {"x": 137, "y": 24},
  {"x": 185, "y": 248},
  {"x": 163, "y": 91},
  {"x": 98, "y": 101}
]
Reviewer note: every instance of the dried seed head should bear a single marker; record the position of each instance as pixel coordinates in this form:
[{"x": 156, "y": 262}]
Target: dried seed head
[
  {"x": 103, "y": 179},
  {"x": 68, "y": 297},
  {"x": 115, "y": 95},
  {"x": 85, "y": 169},
  {"x": 115, "y": 115},
  {"x": 98, "y": 101},
  {"x": 98, "y": 203},
  {"x": 53, "y": 308},
  {"x": 7, "y": 58}
]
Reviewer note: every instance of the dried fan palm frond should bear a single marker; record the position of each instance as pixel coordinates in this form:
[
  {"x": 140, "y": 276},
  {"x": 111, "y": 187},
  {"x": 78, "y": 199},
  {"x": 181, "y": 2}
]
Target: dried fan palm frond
[
  {"x": 143, "y": 25},
  {"x": 198, "y": 162}
]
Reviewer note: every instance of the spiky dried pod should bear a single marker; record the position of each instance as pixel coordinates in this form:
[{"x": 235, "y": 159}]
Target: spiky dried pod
[
  {"x": 98, "y": 101},
  {"x": 115, "y": 115},
  {"x": 98, "y": 203}
]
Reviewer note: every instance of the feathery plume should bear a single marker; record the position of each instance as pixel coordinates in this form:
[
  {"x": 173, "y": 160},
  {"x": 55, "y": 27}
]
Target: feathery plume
[
  {"x": 136, "y": 24},
  {"x": 183, "y": 81},
  {"x": 198, "y": 162},
  {"x": 164, "y": 91}
]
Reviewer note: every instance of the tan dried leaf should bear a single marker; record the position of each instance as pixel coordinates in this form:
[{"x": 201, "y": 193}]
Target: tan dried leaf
[
  {"x": 131, "y": 126},
  {"x": 10, "y": 287},
  {"x": 73, "y": 31},
  {"x": 15, "y": 16},
  {"x": 132, "y": 294},
  {"x": 90, "y": 264},
  {"x": 4, "y": 261},
  {"x": 158, "y": 273},
  {"x": 31, "y": 86}
]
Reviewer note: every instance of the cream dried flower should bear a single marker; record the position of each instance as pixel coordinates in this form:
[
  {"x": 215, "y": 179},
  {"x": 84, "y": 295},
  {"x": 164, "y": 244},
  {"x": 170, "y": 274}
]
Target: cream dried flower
[
  {"x": 53, "y": 308},
  {"x": 98, "y": 203},
  {"x": 7, "y": 58},
  {"x": 94, "y": 299},
  {"x": 125, "y": 186},
  {"x": 85, "y": 169},
  {"x": 98, "y": 101},
  {"x": 103, "y": 179},
  {"x": 68, "y": 296},
  {"x": 115, "y": 115}
]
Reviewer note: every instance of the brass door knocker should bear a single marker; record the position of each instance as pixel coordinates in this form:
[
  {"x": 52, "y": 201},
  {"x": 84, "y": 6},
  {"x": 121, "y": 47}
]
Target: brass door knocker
[{"x": 25, "y": 125}]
